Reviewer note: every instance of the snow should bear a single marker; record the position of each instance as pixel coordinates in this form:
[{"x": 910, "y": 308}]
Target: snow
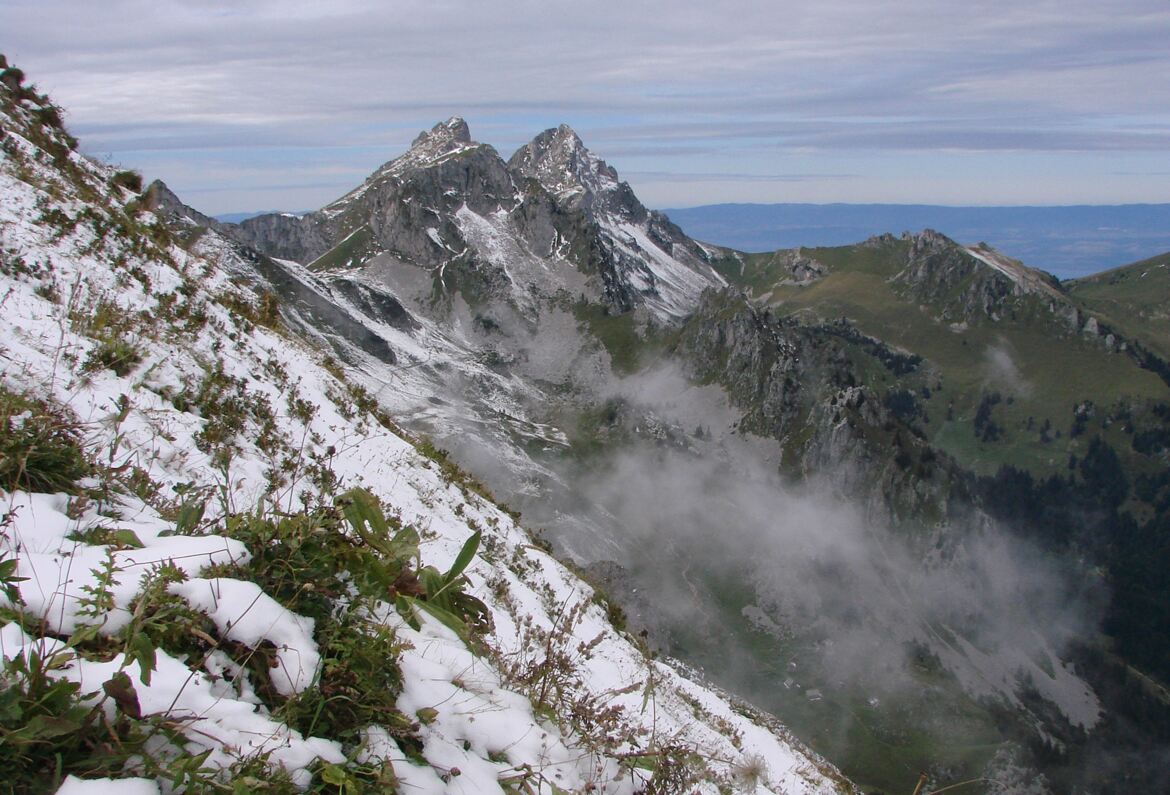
[
  {"x": 102, "y": 786},
  {"x": 59, "y": 570},
  {"x": 243, "y": 612},
  {"x": 1026, "y": 280},
  {"x": 478, "y": 723},
  {"x": 671, "y": 288}
]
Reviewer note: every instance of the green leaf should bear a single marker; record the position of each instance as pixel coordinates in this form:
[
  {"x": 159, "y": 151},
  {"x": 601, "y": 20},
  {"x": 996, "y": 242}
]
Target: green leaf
[
  {"x": 444, "y": 617},
  {"x": 405, "y": 543},
  {"x": 126, "y": 539},
  {"x": 364, "y": 514},
  {"x": 432, "y": 583},
  {"x": 332, "y": 774},
  {"x": 83, "y": 634},
  {"x": 8, "y": 568},
  {"x": 427, "y": 715},
  {"x": 44, "y": 727},
  {"x": 465, "y": 556},
  {"x": 142, "y": 649},
  {"x": 405, "y": 607},
  {"x": 190, "y": 515}
]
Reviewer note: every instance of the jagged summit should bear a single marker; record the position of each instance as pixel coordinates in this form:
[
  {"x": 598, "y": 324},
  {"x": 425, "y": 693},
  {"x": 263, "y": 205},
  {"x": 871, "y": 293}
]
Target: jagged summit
[
  {"x": 450, "y": 200},
  {"x": 430, "y": 146},
  {"x": 446, "y": 139},
  {"x": 558, "y": 159},
  {"x": 454, "y": 130}
]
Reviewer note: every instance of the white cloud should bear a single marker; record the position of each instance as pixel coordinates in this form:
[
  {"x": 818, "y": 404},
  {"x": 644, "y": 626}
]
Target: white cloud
[{"x": 745, "y": 79}]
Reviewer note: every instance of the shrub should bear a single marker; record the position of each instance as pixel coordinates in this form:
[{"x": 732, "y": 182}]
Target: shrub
[
  {"x": 108, "y": 325},
  {"x": 130, "y": 180},
  {"x": 113, "y": 353},
  {"x": 39, "y": 449}
]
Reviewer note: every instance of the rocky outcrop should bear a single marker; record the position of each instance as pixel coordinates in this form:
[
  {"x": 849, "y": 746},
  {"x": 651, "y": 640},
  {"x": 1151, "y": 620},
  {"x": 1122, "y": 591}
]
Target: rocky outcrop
[
  {"x": 940, "y": 273},
  {"x": 560, "y": 163},
  {"x": 974, "y": 284},
  {"x": 799, "y": 384},
  {"x": 285, "y": 236}
]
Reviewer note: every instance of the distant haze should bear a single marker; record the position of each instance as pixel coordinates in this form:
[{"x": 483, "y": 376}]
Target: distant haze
[{"x": 1066, "y": 241}]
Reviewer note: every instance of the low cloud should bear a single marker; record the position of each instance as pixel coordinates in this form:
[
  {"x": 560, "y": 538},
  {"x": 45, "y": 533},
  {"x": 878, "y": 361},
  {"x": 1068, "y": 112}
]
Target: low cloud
[{"x": 1001, "y": 372}]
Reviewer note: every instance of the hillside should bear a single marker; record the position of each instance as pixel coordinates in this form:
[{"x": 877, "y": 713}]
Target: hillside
[
  {"x": 985, "y": 326},
  {"x": 1132, "y": 298},
  {"x": 780, "y": 480},
  {"x": 225, "y": 567},
  {"x": 1069, "y": 241}
]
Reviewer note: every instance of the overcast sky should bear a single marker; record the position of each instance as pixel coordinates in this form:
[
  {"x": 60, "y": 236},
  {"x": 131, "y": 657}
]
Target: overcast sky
[{"x": 284, "y": 104}]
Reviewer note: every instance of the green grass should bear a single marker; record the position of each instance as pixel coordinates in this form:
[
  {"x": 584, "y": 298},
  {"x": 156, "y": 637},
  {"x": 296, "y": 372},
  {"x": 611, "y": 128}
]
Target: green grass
[
  {"x": 618, "y": 334},
  {"x": 349, "y": 253},
  {"x": 40, "y": 448},
  {"x": 1135, "y": 299},
  {"x": 1058, "y": 367}
]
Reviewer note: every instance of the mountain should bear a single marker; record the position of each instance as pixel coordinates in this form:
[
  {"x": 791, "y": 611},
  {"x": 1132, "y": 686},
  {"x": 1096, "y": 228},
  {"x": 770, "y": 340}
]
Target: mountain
[
  {"x": 585, "y": 377},
  {"x": 554, "y": 218},
  {"x": 1132, "y": 298},
  {"x": 1045, "y": 403},
  {"x": 223, "y": 566},
  {"x": 1070, "y": 241},
  {"x": 752, "y": 453},
  {"x": 600, "y": 383},
  {"x": 985, "y": 325}
]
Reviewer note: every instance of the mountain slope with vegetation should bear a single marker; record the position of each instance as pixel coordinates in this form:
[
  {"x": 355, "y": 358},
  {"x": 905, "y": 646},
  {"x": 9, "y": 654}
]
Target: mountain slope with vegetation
[
  {"x": 1132, "y": 298},
  {"x": 885, "y": 494},
  {"x": 1017, "y": 370},
  {"x": 226, "y": 568},
  {"x": 555, "y": 340}
]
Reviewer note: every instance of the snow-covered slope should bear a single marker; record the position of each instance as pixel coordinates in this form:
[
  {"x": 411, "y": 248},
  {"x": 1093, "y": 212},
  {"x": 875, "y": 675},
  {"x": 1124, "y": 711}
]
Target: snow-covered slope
[{"x": 196, "y": 415}]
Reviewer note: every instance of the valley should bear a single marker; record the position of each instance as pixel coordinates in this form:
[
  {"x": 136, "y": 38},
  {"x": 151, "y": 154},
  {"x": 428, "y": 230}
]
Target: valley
[{"x": 907, "y": 496}]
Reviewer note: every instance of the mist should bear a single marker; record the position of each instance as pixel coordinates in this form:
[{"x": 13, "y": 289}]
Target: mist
[
  {"x": 856, "y": 593},
  {"x": 784, "y": 589}
]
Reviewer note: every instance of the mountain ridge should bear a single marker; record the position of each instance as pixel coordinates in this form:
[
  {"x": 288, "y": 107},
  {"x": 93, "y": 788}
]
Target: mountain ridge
[
  {"x": 1071, "y": 241},
  {"x": 639, "y": 256}
]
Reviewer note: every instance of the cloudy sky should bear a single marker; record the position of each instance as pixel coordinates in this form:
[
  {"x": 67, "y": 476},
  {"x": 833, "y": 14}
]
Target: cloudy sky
[{"x": 282, "y": 104}]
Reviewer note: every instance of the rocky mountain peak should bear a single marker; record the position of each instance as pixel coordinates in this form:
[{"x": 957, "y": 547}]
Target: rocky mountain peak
[
  {"x": 446, "y": 139},
  {"x": 558, "y": 159},
  {"x": 443, "y": 140},
  {"x": 453, "y": 132},
  {"x": 159, "y": 197}
]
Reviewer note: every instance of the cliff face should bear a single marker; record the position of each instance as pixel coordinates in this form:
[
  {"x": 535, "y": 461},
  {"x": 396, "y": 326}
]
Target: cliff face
[{"x": 807, "y": 387}]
